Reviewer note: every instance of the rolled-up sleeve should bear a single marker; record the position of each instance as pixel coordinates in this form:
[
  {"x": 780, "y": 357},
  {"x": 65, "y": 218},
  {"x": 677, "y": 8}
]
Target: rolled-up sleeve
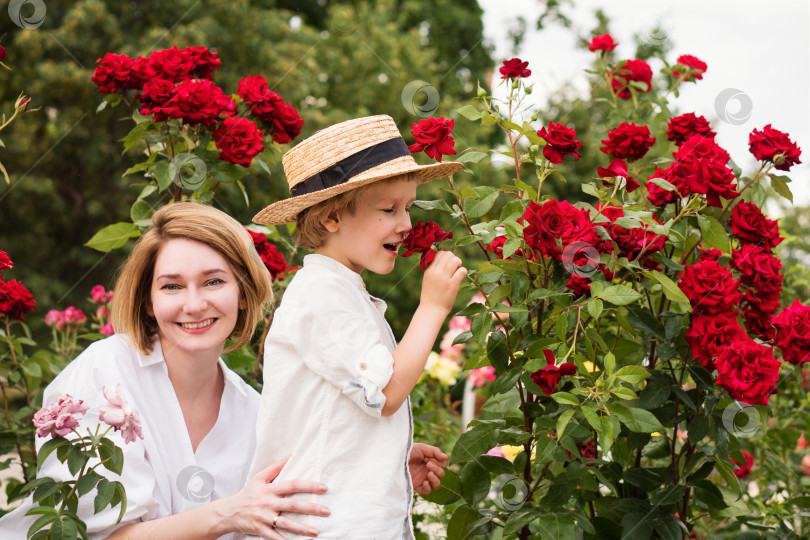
[{"x": 338, "y": 339}]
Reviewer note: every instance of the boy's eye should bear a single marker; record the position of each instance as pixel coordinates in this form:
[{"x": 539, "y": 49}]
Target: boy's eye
[{"x": 388, "y": 210}]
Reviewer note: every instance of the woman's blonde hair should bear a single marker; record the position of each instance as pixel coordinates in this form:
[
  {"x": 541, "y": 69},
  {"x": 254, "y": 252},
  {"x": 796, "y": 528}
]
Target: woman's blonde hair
[
  {"x": 208, "y": 226},
  {"x": 309, "y": 223}
]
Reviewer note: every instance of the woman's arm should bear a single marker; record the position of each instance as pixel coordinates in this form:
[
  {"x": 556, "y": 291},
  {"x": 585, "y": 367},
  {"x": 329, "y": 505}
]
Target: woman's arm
[{"x": 251, "y": 511}]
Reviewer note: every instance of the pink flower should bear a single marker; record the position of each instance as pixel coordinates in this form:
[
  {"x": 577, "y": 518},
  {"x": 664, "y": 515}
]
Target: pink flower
[
  {"x": 55, "y": 318},
  {"x": 102, "y": 313},
  {"x": 107, "y": 329},
  {"x": 100, "y": 296},
  {"x": 73, "y": 316},
  {"x": 118, "y": 414},
  {"x": 59, "y": 419},
  {"x": 480, "y": 376},
  {"x": 456, "y": 326},
  {"x": 496, "y": 452}
]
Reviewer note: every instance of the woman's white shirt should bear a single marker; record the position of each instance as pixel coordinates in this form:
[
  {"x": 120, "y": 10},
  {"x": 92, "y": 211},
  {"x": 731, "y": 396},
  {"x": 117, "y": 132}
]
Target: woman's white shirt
[{"x": 162, "y": 474}]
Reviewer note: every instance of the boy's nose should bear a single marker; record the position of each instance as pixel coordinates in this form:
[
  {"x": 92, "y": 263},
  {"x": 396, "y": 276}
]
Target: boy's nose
[{"x": 404, "y": 224}]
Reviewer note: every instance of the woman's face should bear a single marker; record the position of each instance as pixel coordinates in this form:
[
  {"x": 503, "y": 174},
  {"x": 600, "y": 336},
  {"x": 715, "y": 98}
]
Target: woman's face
[{"x": 195, "y": 299}]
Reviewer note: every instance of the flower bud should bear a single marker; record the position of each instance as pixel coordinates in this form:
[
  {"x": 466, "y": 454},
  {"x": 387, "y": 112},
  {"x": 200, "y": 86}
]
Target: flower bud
[
  {"x": 482, "y": 92},
  {"x": 534, "y": 148},
  {"x": 515, "y": 83},
  {"x": 528, "y": 89},
  {"x": 778, "y": 159},
  {"x": 534, "y": 117},
  {"x": 22, "y": 103}
]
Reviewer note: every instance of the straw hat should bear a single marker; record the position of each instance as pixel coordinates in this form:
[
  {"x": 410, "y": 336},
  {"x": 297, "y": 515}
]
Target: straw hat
[{"x": 344, "y": 157}]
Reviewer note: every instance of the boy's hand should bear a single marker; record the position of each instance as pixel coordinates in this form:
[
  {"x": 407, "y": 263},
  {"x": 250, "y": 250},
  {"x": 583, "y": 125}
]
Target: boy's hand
[{"x": 441, "y": 281}]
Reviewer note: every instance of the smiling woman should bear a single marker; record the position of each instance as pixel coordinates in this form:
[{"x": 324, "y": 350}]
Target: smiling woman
[{"x": 193, "y": 281}]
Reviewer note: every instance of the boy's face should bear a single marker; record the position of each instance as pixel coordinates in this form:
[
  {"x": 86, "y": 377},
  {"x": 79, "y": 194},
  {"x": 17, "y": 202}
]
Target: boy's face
[{"x": 370, "y": 238}]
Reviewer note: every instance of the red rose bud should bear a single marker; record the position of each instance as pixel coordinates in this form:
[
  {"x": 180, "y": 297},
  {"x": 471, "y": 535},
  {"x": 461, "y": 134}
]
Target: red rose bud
[
  {"x": 630, "y": 71},
  {"x": 15, "y": 300},
  {"x": 710, "y": 254},
  {"x": 514, "y": 69},
  {"x": 682, "y": 128},
  {"x": 617, "y": 169},
  {"x": 710, "y": 288},
  {"x": 695, "y": 67},
  {"x": 549, "y": 376},
  {"x": 750, "y": 225},
  {"x": 603, "y": 42},
  {"x": 748, "y": 372},
  {"x": 628, "y": 141},
  {"x": 421, "y": 240},
  {"x": 774, "y": 146},
  {"x": 793, "y": 333},
  {"x": 434, "y": 136},
  {"x": 743, "y": 469},
  {"x": 5, "y": 261},
  {"x": 560, "y": 142},
  {"x": 2, "y": 53}
]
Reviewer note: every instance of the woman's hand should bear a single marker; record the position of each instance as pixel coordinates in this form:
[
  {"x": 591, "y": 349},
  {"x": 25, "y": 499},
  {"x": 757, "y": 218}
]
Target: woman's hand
[
  {"x": 255, "y": 510},
  {"x": 426, "y": 464}
]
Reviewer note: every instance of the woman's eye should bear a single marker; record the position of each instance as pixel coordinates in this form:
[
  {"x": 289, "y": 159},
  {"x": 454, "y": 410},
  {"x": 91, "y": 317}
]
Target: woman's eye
[
  {"x": 170, "y": 287},
  {"x": 215, "y": 282}
]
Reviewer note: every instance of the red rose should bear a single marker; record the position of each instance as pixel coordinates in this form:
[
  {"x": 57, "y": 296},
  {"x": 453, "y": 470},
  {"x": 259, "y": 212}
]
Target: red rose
[
  {"x": 701, "y": 168},
  {"x": 748, "y": 371},
  {"x": 434, "y": 136},
  {"x": 514, "y": 69},
  {"x": 170, "y": 64},
  {"x": 793, "y": 333},
  {"x": 579, "y": 285},
  {"x": 560, "y": 141},
  {"x": 758, "y": 269},
  {"x": 695, "y": 68},
  {"x": 548, "y": 377},
  {"x": 710, "y": 335},
  {"x": 630, "y": 71},
  {"x": 15, "y": 300},
  {"x": 681, "y": 128},
  {"x": 239, "y": 141},
  {"x": 203, "y": 61},
  {"x": 751, "y": 226},
  {"x": 658, "y": 195},
  {"x": 272, "y": 258},
  {"x": 2, "y": 53},
  {"x": 496, "y": 246},
  {"x": 603, "y": 42},
  {"x": 556, "y": 220},
  {"x": 198, "y": 102},
  {"x": 253, "y": 89},
  {"x": 710, "y": 287},
  {"x": 758, "y": 310},
  {"x": 628, "y": 141},
  {"x": 699, "y": 147},
  {"x": 631, "y": 242},
  {"x": 743, "y": 469},
  {"x": 5, "y": 261},
  {"x": 156, "y": 93},
  {"x": 617, "y": 169},
  {"x": 286, "y": 123},
  {"x": 421, "y": 240},
  {"x": 774, "y": 146},
  {"x": 115, "y": 72},
  {"x": 710, "y": 254}
]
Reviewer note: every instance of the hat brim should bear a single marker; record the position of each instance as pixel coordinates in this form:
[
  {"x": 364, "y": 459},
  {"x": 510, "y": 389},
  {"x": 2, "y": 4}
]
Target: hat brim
[{"x": 287, "y": 211}]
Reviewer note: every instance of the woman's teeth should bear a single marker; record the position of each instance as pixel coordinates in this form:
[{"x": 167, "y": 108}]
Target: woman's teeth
[{"x": 195, "y": 326}]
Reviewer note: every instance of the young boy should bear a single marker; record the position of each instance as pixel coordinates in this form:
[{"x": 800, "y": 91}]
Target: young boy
[{"x": 336, "y": 384}]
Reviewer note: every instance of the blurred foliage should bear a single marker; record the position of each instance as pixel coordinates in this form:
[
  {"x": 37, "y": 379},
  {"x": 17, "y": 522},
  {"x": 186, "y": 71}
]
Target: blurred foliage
[{"x": 331, "y": 60}]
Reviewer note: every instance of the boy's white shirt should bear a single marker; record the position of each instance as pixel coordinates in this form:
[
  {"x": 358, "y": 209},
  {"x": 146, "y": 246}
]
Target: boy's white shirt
[{"x": 327, "y": 357}]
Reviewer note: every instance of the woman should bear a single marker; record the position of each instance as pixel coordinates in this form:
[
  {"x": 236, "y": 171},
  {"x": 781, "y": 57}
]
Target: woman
[{"x": 192, "y": 282}]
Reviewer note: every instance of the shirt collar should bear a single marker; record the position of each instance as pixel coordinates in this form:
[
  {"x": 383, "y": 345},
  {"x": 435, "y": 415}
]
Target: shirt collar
[{"x": 331, "y": 264}]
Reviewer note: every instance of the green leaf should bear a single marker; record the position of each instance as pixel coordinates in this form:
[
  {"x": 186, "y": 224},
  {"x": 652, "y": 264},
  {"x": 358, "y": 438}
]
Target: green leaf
[
  {"x": 470, "y": 112},
  {"x": 519, "y": 519},
  {"x": 478, "y": 208},
  {"x": 462, "y": 518},
  {"x": 478, "y": 440},
  {"x": 562, "y": 422},
  {"x": 609, "y": 363},
  {"x": 111, "y": 456},
  {"x": 496, "y": 351},
  {"x": 141, "y": 213},
  {"x": 475, "y": 482},
  {"x": 113, "y": 236},
  {"x": 642, "y": 421},
  {"x": 619, "y": 295},
  {"x": 697, "y": 428},
  {"x": 592, "y": 417},
  {"x": 161, "y": 172},
  {"x": 632, "y": 374},
  {"x": 623, "y": 393},
  {"x": 138, "y": 167},
  {"x": 595, "y": 307},
  {"x": 555, "y": 527},
  {"x": 433, "y": 205},
  {"x": 87, "y": 482},
  {"x": 606, "y": 434},
  {"x": 106, "y": 490},
  {"x": 671, "y": 290},
  {"x": 32, "y": 369},
  {"x": 470, "y": 157},
  {"x": 564, "y": 398},
  {"x": 668, "y": 495},
  {"x": 780, "y": 185},
  {"x": 663, "y": 184},
  {"x": 714, "y": 235}
]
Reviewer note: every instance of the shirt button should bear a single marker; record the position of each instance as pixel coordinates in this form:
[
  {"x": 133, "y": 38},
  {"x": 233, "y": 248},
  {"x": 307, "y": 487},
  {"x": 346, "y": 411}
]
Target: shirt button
[{"x": 362, "y": 366}]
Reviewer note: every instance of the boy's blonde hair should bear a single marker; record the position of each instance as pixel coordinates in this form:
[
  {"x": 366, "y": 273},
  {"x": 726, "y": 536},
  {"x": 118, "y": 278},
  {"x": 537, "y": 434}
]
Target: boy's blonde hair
[
  {"x": 206, "y": 225},
  {"x": 309, "y": 224}
]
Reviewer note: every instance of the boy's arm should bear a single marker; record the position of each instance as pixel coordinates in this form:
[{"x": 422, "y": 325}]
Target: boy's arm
[{"x": 439, "y": 289}]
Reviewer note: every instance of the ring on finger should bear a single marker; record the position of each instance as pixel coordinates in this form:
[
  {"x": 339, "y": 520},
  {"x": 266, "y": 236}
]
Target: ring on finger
[{"x": 275, "y": 520}]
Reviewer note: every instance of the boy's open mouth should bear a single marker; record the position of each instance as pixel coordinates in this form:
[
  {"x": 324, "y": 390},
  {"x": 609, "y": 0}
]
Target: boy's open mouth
[{"x": 391, "y": 247}]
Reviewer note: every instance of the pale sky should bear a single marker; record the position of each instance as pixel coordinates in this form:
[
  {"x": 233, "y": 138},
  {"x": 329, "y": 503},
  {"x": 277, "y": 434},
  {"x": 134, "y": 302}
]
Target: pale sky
[{"x": 761, "y": 49}]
